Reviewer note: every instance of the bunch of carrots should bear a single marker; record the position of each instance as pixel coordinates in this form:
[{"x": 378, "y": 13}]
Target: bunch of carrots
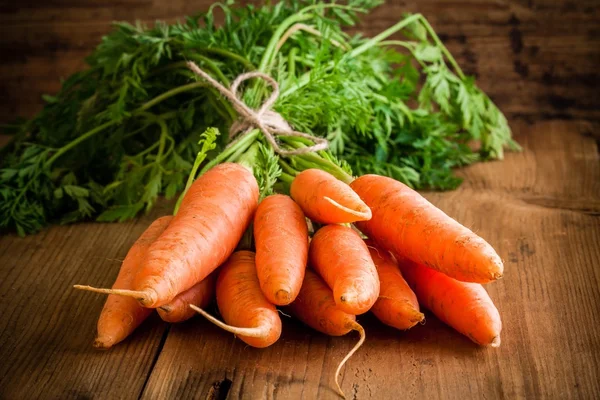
[{"x": 328, "y": 252}]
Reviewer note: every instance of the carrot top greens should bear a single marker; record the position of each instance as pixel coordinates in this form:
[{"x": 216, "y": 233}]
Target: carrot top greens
[{"x": 126, "y": 129}]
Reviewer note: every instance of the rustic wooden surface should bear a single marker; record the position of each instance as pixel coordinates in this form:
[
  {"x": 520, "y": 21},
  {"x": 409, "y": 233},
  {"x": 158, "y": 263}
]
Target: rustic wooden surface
[{"x": 540, "y": 209}]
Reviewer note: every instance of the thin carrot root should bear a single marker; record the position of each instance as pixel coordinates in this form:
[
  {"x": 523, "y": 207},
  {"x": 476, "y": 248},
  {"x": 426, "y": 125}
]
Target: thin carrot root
[
  {"x": 357, "y": 327},
  {"x": 143, "y": 296},
  {"x": 363, "y": 215},
  {"x": 260, "y": 331}
]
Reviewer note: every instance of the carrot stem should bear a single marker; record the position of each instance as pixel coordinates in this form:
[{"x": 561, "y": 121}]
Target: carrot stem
[
  {"x": 242, "y": 142},
  {"x": 244, "y": 61},
  {"x": 259, "y": 332},
  {"x": 287, "y": 178},
  {"x": 287, "y": 168}
]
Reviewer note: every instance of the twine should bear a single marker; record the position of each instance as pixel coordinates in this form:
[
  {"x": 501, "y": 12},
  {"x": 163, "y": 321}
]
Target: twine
[{"x": 268, "y": 121}]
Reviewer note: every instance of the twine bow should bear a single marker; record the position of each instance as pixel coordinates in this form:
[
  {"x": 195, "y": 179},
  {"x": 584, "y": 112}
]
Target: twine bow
[{"x": 268, "y": 121}]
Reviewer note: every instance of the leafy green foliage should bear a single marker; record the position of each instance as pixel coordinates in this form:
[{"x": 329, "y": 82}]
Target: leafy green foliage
[
  {"x": 125, "y": 131},
  {"x": 266, "y": 169}
]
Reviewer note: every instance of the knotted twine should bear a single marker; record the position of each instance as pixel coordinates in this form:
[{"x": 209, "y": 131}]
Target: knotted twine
[{"x": 268, "y": 121}]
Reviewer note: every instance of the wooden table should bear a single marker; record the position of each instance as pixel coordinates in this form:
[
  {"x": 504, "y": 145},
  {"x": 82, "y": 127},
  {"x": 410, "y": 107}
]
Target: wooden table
[{"x": 540, "y": 209}]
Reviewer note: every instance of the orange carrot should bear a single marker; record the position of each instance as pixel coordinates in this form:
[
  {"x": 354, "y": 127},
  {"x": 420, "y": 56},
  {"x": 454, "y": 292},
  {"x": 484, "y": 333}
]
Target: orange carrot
[
  {"x": 397, "y": 304},
  {"x": 342, "y": 259},
  {"x": 242, "y": 303},
  {"x": 315, "y": 306},
  {"x": 212, "y": 218},
  {"x": 281, "y": 237},
  {"x": 406, "y": 224},
  {"x": 465, "y": 306},
  {"x": 121, "y": 315},
  {"x": 327, "y": 200},
  {"x": 199, "y": 295}
]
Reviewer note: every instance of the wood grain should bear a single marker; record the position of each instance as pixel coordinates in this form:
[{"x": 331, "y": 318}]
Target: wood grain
[
  {"x": 47, "y": 328},
  {"x": 540, "y": 209},
  {"x": 536, "y": 58}
]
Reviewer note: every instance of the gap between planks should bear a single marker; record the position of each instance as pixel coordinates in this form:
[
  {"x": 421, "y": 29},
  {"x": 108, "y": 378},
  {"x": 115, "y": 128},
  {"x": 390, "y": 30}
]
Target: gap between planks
[{"x": 159, "y": 349}]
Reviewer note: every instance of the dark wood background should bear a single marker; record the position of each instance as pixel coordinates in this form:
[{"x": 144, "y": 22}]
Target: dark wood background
[{"x": 538, "y": 59}]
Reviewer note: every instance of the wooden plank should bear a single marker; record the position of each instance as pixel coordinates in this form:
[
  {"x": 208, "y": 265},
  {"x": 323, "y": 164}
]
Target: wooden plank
[
  {"x": 558, "y": 166},
  {"x": 549, "y": 301},
  {"x": 537, "y": 59},
  {"x": 47, "y": 328}
]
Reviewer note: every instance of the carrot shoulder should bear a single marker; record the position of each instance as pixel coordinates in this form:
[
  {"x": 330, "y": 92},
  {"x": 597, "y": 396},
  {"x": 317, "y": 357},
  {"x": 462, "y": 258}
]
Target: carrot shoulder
[
  {"x": 121, "y": 315},
  {"x": 406, "y": 224},
  {"x": 465, "y": 306},
  {"x": 316, "y": 307},
  {"x": 397, "y": 304},
  {"x": 200, "y": 295},
  {"x": 245, "y": 310},
  {"x": 281, "y": 237},
  {"x": 342, "y": 259},
  {"x": 327, "y": 200}
]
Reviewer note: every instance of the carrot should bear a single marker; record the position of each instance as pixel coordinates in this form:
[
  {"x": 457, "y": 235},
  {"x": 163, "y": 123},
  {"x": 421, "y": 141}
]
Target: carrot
[
  {"x": 397, "y": 304},
  {"x": 327, "y": 200},
  {"x": 281, "y": 237},
  {"x": 242, "y": 303},
  {"x": 121, "y": 315},
  {"x": 211, "y": 220},
  {"x": 465, "y": 306},
  {"x": 199, "y": 295},
  {"x": 406, "y": 224},
  {"x": 316, "y": 307},
  {"x": 342, "y": 259}
]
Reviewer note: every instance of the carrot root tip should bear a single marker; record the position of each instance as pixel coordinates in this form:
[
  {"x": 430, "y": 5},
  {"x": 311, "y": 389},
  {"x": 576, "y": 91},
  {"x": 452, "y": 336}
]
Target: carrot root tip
[
  {"x": 496, "y": 341},
  {"x": 102, "y": 343},
  {"x": 150, "y": 298},
  {"x": 283, "y": 297},
  {"x": 166, "y": 309},
  {"x": 419, "y": 318}
]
